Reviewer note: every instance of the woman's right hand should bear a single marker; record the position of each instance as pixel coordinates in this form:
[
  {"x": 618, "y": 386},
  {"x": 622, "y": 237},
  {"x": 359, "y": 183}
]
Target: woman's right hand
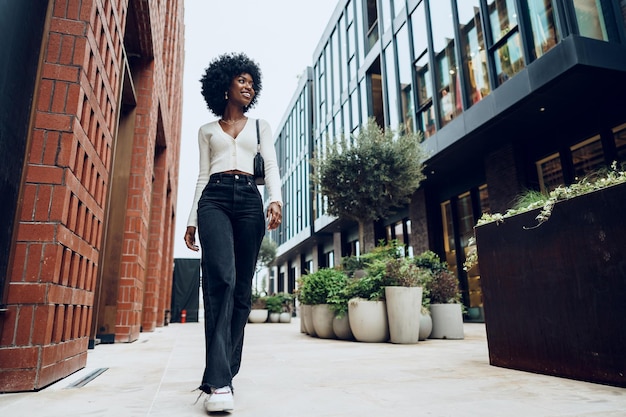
[{"x": 190, "y": 238}]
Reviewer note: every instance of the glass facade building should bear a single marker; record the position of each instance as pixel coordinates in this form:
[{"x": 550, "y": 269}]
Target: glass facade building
[{"x": 510, "y": 95}]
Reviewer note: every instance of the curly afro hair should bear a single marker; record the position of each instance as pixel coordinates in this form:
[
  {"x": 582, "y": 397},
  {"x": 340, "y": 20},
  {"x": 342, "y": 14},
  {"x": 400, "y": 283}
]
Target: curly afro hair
[{"x": 219, "y": 75}]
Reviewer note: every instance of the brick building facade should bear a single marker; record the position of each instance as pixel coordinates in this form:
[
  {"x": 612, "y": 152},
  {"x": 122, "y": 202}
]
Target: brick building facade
[{"x": 89, "y": 251}]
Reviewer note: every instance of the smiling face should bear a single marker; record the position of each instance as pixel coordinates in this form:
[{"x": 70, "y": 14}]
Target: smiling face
[{"x": 241, "y": 90}]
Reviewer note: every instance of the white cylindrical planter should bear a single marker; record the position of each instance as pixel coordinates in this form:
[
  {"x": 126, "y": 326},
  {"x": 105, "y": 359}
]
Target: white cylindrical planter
[
  {"x": 300, "y": 313},
  {"x": 274, "y": 317},
  {"x": 426, "y": 325},
  {"x": 285, "y": 317},
  {"x": 447, "y": 321},
  {"x": 341, "y": 327},
  {"x": 368, "y": 320},
  {"x": 258, "y": 315},
  {"x": 307, "y": 315},
  {"x": 403, "y": 312},
  {"x": 323, "y": 321}
]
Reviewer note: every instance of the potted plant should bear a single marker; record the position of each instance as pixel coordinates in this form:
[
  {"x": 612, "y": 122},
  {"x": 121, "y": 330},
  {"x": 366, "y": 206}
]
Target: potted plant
[
  {"x": 286, "y": 302},
  {"x": 321, "y": 286},
  {"x": 274, "y": 305},
  {"x": 403, "y": 282},
  {"x": 445, "y": 298},
  {"x": 367, "y": 311},
  {"x": 304, "y": 297},
  {"x": 338, "y": 303},
  {"x": 259, "y": 311},
  {"x": 446, "y": 309}
]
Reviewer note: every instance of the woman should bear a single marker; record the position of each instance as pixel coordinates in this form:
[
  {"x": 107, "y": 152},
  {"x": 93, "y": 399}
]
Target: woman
[{"x": 227, "y": 210}]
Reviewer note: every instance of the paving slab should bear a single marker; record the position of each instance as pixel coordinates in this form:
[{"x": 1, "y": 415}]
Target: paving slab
[{"x": 288, "y": 374}]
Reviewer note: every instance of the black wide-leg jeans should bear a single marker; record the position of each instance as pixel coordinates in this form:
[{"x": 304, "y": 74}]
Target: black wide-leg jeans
[{"x": 231, "y": 226}]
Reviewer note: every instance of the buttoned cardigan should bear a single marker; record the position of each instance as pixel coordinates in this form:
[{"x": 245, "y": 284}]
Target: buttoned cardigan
[{"x": 221, "y": 152}]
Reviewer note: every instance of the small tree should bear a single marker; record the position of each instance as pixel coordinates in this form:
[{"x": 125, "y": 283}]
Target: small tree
[
  {"x": 267, "y": 255},
  {"x": 368, "y": 179},
  {"x": 267, "y": 252}
]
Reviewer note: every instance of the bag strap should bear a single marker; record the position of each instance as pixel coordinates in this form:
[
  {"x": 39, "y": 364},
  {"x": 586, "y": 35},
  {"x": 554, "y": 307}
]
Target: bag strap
[{"x": 258, "y": 137}]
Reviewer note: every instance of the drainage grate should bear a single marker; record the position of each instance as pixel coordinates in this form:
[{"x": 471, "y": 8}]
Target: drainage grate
[{"x": 87, "y": 378}]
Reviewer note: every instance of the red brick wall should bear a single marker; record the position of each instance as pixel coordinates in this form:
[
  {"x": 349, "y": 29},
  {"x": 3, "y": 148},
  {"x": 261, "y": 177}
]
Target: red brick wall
[{"x": 59, "y": 235}]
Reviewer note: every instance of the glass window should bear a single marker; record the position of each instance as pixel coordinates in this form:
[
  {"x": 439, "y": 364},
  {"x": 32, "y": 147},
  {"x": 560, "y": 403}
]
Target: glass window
[
  {"x": 364, "y": 101},
  {"x": 541, "y": 14},
  {"x": 502, "y": 17},
  {"x": 404, "y": 70},
  {"x": 590, "y": 19},
  {"x": 550, "y": 173},
  {"x": 351, "y": 51},
  {"x": 386, "y": 11},
  {"x": 509, "y": 58},
  {"x": 349, "y": 12},
  {"x": 619, "y": 133},
  {"x": 420, "y": 36},
  {"x": 392, "y": 88},
  {"x": 475, "y": 55},
  {"x": 484, "y": 199},
  {"x": 398, "y": 5},
  {"x": 508, "y": 55},
  {"x": 447, "y": 77},
  {"x": 354, "y": 106},
  {"x": 360, "y": 29},
  {"x": 372, "y": 24},
  {"x": 336, "y": 73},
  {"x": 465, "y": 218},
  {"x": 448, "y": 235},
  {"x": 346, "y": 120},
  {"x": 343, "y": 53},
  {"x": 588, "y": 157}
]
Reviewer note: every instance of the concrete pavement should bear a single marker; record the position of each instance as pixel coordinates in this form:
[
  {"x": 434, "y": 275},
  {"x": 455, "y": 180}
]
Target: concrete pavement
[{"x": 286, "y": 373}]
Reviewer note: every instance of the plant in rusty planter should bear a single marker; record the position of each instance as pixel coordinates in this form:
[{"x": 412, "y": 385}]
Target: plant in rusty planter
[{"x": 553, "y": 282}]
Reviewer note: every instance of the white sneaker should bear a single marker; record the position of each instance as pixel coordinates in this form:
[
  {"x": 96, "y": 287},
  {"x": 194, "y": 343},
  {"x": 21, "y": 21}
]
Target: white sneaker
[{"x": 221, "y": 399}]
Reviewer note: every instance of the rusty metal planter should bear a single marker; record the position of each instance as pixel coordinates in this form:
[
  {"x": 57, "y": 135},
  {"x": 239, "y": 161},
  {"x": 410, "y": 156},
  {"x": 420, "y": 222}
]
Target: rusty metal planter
[{"x": 555, "y": 295}]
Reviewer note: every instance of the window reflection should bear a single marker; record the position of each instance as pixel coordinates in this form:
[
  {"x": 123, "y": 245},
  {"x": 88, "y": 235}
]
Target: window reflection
[
  {"x": 447, "y": 88},
  {"x": 372, "y": 24},
  {"x": 550, "y": 173},
  {"x": 509, "y": 59},
  {"x": 475, "y": 56},
  {"x": 392, "y": 87},
  {"x": 620, "y": 141},
  {"x": 503, "y": 18},
  {"x": 336, "y": 66},
  {"x": 449, "y": 243},
  {"x": 541, "y": 14},
  {"x": 590, "y": 19},
  {"x": 508, "y": 56},
  {"x": 426, "y": 115},
  {"x": 587, "y": 156},
  {"x": 404, "y": 71}
]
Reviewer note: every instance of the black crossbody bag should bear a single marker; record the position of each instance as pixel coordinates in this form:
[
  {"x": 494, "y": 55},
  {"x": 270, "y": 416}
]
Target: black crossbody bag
[{"x": 259, "y": 163}]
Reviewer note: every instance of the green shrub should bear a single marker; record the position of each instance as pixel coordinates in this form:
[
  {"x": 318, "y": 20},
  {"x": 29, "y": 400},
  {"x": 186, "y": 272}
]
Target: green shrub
[
  {"x": 320, "y": 286},
  {"x": 274, "y": 303}
]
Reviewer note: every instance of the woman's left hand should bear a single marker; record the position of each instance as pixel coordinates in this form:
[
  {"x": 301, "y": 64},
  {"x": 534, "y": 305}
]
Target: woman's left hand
[{"x": 274, "y": 216}]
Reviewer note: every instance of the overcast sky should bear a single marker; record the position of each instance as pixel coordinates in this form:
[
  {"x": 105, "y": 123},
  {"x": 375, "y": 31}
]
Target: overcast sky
[{"x": 281, "y": 35}]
